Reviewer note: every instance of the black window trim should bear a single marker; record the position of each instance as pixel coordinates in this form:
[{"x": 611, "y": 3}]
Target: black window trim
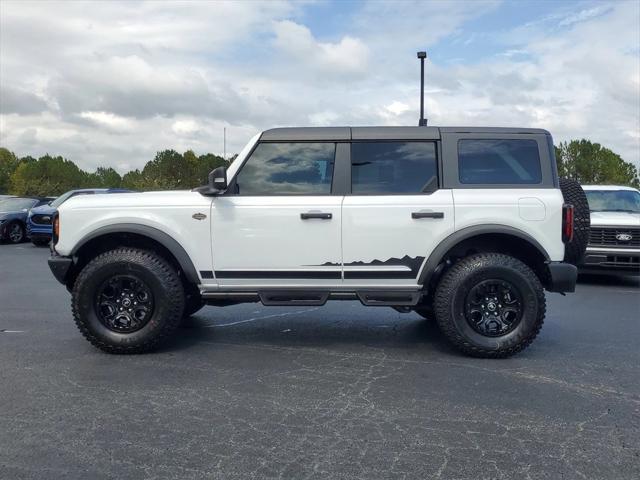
[
  {"x": 450, "y": 173},
  {"x": 438, "y": 165}
]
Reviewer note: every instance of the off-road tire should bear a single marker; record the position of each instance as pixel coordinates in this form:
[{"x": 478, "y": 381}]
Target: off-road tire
[
  {"x": 450, "y": 298},
  {"x": 193, "y": 300},
  {"x": 160, "y": 277},
  {"x": 22, "y": 236},
  {"x": 574, "y": 195}
]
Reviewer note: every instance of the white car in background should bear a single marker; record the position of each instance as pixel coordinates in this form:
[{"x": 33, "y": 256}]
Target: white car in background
[{"x": 614, "y": 238}]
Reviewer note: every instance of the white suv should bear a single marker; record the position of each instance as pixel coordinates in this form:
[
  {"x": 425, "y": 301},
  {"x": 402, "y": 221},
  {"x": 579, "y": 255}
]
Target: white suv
[{"x": 466, "y": 224}]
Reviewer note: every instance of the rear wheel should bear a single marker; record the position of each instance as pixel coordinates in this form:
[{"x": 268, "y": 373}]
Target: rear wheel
[
  {"x": 573, "y": 194},
  {"x": 15, "y": 232},
  {"x": 128, "y": 301},
  {"x": 490, "y": 305}
]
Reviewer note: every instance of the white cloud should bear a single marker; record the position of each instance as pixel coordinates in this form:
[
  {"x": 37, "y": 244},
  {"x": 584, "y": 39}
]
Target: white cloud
[
  {"x": 348, "y": 56},
  {"x": 108, "y": 83}
]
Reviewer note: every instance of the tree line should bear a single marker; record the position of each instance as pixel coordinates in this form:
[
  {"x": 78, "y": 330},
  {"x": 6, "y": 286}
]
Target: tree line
[
  {"x": 581, "y": 160},
  {"x": 54, "y": 175}
]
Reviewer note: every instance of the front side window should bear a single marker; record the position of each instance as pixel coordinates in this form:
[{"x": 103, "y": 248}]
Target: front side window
[
  {"x": 499, "y": 161},
  {"x": 393, "y": 168},
  {"x": 288, "y": 169}
]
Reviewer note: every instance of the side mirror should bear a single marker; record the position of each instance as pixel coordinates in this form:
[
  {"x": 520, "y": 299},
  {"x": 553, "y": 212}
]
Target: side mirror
[
  {"x": 217, "y": 183},
  {"x": 218, "y": 179}
]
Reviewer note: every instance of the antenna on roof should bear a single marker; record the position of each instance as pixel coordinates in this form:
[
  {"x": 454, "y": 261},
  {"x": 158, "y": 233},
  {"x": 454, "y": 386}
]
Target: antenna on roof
[{"x": 423, "y": 121}]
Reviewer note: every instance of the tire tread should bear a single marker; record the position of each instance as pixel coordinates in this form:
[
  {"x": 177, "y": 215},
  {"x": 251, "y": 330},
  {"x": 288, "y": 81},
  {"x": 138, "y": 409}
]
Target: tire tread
[
  {"x": 160, "y": 267},
  {"x": 445, "y": 292}
]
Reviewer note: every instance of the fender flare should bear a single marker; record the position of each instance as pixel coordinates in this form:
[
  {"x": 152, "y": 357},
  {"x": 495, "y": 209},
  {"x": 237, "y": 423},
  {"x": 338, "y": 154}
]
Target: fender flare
[
  {"x": 468, "y": 232},
  {"x": 167, "y": 241}
]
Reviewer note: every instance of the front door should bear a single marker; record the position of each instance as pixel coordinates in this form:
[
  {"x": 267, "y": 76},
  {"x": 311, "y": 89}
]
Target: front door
[
  {"x": 279, "y": 224},
  {"x": 396, "y": 214}
]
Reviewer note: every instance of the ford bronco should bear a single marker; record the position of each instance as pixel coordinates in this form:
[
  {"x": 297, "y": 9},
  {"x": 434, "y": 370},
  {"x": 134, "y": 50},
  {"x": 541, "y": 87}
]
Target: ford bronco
[{"x": 468, "y": 226}]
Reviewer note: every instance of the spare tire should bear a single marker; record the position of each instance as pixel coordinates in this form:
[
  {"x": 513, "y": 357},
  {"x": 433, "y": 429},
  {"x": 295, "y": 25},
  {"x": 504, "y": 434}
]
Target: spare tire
[{"x": 574, "y": 195}]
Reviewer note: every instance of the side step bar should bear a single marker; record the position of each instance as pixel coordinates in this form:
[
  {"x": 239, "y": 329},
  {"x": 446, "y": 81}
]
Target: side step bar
[
  {"x": 389, "y": 299},
  {"x": 291, "y": 297},
  {"x": 377, "y": 298}
]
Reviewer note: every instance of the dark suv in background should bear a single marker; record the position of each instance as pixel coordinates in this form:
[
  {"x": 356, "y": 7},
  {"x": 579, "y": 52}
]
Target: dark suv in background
[{"x": 13, "y": 216}]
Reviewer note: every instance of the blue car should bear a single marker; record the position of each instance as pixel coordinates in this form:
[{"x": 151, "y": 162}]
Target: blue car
[
  {"x": 13, "y": 216},
  {"x": 39, "y": 222}
]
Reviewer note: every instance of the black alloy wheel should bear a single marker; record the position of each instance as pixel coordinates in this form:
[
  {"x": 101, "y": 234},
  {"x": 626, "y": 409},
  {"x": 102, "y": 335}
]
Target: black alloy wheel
[
  {"x": 493, "y": 307},
  {"x": 124, "y": 303}
]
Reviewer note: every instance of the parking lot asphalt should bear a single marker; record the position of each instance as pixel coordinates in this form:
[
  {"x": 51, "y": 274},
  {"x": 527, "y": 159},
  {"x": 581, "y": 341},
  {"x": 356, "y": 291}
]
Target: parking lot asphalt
[{"x": 338, "y": 392}]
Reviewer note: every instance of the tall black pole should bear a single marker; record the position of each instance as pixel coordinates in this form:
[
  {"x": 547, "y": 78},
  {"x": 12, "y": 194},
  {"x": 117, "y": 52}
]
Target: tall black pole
[{"x": 423, "y": 121}]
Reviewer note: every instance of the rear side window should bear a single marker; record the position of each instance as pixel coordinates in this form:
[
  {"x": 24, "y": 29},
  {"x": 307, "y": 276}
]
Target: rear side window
[
  {"x": 393, "y": 167},
  {"x": 488, "y": 161},
  {"x": 288, "y": 169}
]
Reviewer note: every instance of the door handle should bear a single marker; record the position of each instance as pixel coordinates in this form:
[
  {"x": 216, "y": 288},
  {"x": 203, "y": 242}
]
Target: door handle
[
  {"x": 320, "y": 215},
  {"x": 416, "y": 215}
]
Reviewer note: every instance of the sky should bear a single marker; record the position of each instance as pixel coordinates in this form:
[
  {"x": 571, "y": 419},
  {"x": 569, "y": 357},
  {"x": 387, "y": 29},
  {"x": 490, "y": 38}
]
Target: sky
[{"x": 111, "y": 83}]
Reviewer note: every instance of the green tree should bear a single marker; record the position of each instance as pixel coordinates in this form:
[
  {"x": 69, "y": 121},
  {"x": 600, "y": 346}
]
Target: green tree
[
  {"x": 591, "y": 163},
  {"x": 8, "y": 164},
  {"x": 104, "y": 178},
  {"x": 132, "y": 180},
  {"x": 46, "y": 176}
]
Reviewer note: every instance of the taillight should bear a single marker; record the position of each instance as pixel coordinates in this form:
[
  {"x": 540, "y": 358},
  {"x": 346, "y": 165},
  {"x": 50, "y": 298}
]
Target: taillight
[
  {"x": 567, "y": 223},
  {"x": 56, "y": 228}
]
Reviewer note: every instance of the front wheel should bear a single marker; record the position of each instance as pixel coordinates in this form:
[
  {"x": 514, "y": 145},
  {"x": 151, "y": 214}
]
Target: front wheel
[
  {"x": 15, "y": 232},
  {"x": 128, "y": 301},
  {"x": 490, "y": 305}
]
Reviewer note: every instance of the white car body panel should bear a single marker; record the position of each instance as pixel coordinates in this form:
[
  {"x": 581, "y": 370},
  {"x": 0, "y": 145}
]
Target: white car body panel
[
  {"x": 380, "y": 227},
  {"x": 170, "y": 212},
  {"x": 268, "y": 234},
  {"x": 504, "y": 206}
]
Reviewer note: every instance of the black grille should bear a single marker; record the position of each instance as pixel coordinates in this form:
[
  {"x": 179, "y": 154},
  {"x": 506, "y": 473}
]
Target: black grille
[
  {"x": 607, "y": 237},
  {"x": 42, "y": 219}
]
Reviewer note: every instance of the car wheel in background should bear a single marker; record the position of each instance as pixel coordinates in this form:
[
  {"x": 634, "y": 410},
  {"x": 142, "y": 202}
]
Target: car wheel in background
[
  {"x": 574, "y": 194},
  {"x": 128, "y": 301},
  {"x": 15, "y": 232}
]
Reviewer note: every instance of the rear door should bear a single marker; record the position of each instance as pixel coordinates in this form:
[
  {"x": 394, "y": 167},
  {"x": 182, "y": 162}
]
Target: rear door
[
  {"x": 396, "y": 214},
  {"x": 280, "y": 222}
]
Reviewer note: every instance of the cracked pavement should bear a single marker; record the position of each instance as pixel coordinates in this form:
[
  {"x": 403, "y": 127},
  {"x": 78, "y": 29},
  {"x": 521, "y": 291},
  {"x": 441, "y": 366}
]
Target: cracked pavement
[{"x": 339, "y": 392}]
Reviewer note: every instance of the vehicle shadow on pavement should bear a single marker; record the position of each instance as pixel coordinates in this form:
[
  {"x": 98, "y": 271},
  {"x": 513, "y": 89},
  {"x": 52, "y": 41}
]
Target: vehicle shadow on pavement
[
  {"x": 627, "y": 281},
  {"x": 313, "y": 329}
]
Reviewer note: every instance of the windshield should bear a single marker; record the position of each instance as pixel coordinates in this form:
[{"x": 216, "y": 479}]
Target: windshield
[
  {"x": 14, "y": 204},
  {"x": 61, "y": 199},
  {"x": 613, "y": 201}
]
